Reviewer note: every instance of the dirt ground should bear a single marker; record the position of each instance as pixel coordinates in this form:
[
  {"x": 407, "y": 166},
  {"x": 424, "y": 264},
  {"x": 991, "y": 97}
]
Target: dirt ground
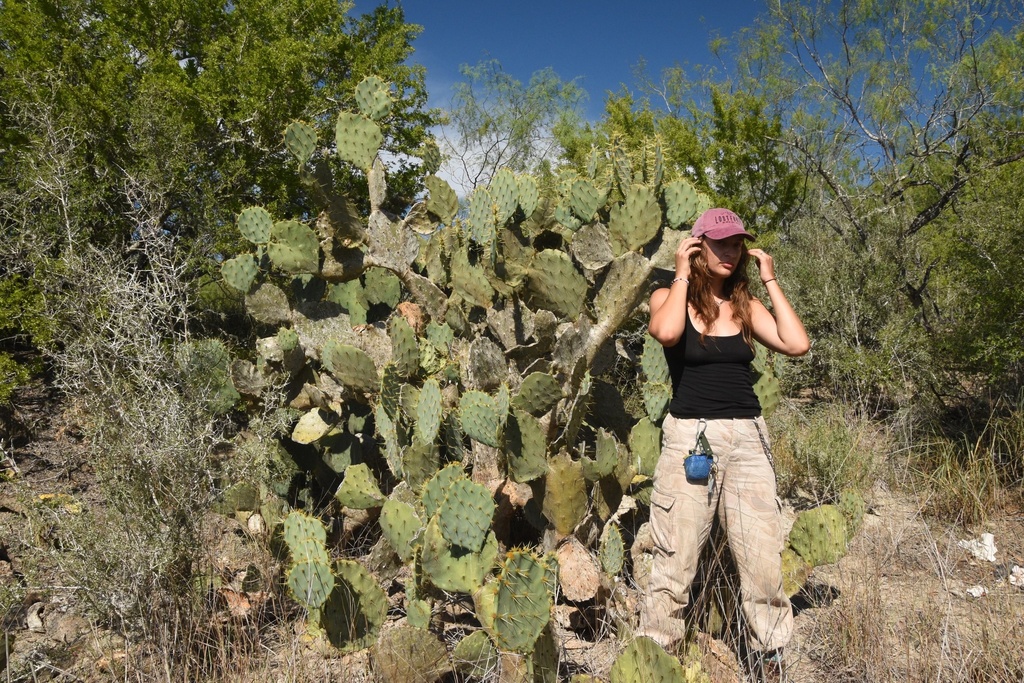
[{"x": 897, "y": 607}]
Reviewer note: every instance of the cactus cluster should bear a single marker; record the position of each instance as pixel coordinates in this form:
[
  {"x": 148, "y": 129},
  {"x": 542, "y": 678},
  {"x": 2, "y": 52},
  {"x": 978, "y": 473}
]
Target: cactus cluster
[{"x": 434, "y": 358}]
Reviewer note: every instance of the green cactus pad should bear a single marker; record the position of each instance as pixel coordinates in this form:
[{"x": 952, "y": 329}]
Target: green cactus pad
[
  {"x": 768, "y": 392},
  {"x": 287, "y": 339},
  {"x": 381, "y": 286},
  {"x": 357, "y": 139},
  {"x": 443, "y": 202},
  {"x": 681, "y": 203},
  {"x": 400, "y": 525},
  {"x": 351, "y": 366},
  {"x": 352, "y": 299},
  {"x": 420, "y": 463},
  {"x": 563, "y": 214},
  {"x": 479, "y": 417},
  {"x": 525, "y": 447},
  {"x": 504, "y": 192},
  {"x": 795, "y": 572},
  {"x": 565, "y": 494},
  {"x": 440, "y": 336},
  {"x": 300, "y": 139},
  {"x": 853, "y": 507},
  {"x": 418, "y": 612},
  {"x": 428, "y": 412},
  {"x": 356, "y": 608},
  {"x": 436, "y": 489},
  {"x": 612, "y": 551},
  {"x": 538, "y": 394},
  {"x": 240, "y": 272},
  {"x": 606, "y": 457},
  {"x": 635, "y": 221},
  {"x": 645, "y": 447},
  {"x": 529, "y": 195},
  {"x": 406, "y": 654},
  {"x": 475, "y": 656},
  {"x": 387, "y": 431},
  {"x": 470, "y": 282},
  {"x": 644, "y": 661},
  {"x": 311, "y": 583},
  {"x": 465, "y": 515},
  {"x": 359, "y": 489},
  {"x": 656, "y": 397},
  {"x": 255, "y": 224},
  {"x": 305, "y": 537},
  {"x": 585, "y": 199},
  {"x": 294, "y": 248},
  {"x": 553, "y": 283},
  {"x": 819, "y": 535},
  {"x": 521, "y": 601},
  {"x": 310, "y": 427},
  {"x": 455, "y": 570},
  {"x": 405, "y": 348},
  {"x": 372, "y": 98},
  {"x": 653, "y": 362},
  {"x": 481, "y": 217}
]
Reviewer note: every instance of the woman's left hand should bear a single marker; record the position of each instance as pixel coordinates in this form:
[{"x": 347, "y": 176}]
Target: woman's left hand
[{"x": 764, "y": 263}]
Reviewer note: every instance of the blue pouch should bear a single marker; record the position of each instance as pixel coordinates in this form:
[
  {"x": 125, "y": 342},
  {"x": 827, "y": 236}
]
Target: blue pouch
[{"x": 698, "y": 466}]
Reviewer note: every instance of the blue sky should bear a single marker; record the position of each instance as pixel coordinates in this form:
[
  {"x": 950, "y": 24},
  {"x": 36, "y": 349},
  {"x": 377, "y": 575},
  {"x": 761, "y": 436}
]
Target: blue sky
[{"x": 596, "y": 41}]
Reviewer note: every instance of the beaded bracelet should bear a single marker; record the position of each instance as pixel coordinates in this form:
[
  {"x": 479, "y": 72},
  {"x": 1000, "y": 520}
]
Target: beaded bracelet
[{"x": 679, "y": 279}]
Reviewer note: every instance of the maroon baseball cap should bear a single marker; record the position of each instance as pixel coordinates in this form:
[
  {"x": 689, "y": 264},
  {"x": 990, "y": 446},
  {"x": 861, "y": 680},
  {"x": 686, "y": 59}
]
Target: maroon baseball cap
[{"x": 717, "y": 224}]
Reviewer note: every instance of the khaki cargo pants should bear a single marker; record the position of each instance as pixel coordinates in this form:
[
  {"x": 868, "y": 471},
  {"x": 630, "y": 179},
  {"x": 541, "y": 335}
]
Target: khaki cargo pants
[{"x": 744, "y": 497}]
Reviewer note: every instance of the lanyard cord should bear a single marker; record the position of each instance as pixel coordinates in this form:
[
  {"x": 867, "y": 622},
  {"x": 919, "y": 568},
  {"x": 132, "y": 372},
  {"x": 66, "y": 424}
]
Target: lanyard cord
[{"x": 765, "y": 446}]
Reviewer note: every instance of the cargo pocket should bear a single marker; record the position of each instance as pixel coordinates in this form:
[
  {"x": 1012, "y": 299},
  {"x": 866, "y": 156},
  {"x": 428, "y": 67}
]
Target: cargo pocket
[{"x": 661, "y": 520}]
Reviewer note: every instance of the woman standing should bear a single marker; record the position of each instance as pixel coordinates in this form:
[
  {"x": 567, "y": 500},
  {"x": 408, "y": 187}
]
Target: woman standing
[{"x": 706, "y": 320}]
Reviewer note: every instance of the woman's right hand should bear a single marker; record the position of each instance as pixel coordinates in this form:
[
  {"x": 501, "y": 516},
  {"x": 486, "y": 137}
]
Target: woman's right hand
[{"x": 687, "y": 249}]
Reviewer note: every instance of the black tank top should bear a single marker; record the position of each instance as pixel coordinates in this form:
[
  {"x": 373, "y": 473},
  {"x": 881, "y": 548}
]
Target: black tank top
[{"x": 712, "y": 381}]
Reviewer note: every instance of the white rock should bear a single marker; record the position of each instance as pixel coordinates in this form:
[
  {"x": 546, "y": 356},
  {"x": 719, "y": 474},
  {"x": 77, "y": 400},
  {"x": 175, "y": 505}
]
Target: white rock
[
  {"x": 977, "y": 591},
  {"x": 983, "y": 548},
  {"x": 1017, "y": 576}
]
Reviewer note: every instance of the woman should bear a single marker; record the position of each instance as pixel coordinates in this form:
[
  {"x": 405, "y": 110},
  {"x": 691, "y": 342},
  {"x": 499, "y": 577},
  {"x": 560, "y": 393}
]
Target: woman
[{"x": 706, "y": 320}]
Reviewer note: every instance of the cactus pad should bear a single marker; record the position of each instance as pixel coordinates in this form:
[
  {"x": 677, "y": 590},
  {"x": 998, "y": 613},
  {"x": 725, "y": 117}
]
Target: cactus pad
[
  {"x": 478, "y": 415},
  {"x": 465, "y": 515},
  {"x": 351, "y": 366},
  {"x": 645, "y": 447},
  {"x": 681, "y": 203},
  {"x": 635, "y": 221},
  {"x": 405, "y": 349},
  {"x": 819, "y": 535},
  {"x": 407, "y": 653},
  {"x": 606, "y": 457},
  {"x": 555, "y": 284},
  {"x": 853, "y": 507},
  {"x": 436, "y": 489},
  {"x": 644, "y": 661},
  {"x": 525, "y": 447},
  {"x": 356, "y": 608},
  {"x": 443, "y": 202},
  {"x": 521, "y": 601},
  {"x": 294, "y": 248},
  {"x": 653, "y": 362},
  {"x": 381, "y": 286},
  {"x": 310, "y": 427},
  {"x": 475, "y": 655},
  {"x": 565, "y": 493},
  {"x": 300, "y": 139},
  {"x": 612, "y": 551},
  {"x": 305, "y": 537},
  {"x": 240, "y": 272},
  {"x": 538, "y": 394},
  {"x": 372, "y": 98},
  {"x": 585, "y": 199},
  {"x": 359, "y": 489},
  {"x": 255, "y": 224},
  {"x": 429, "y": 412},
  {"x": 311, "y": 583},
  {"x": 399, "y": 524},
  {"x": 357, "y": 139},
  {"x": 455, "y": 570},
  {"x": 529, "y": 195},
  {"x": 504, "y": 193}
]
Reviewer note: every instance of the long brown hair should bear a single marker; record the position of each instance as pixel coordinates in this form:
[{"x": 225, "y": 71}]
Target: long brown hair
[{"x": 736, "y": 288}]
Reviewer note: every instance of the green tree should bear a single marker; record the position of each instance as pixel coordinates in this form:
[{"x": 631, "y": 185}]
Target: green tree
[
  {"x": 497, "y": 122},
  {"x": 122, "y": 119}
]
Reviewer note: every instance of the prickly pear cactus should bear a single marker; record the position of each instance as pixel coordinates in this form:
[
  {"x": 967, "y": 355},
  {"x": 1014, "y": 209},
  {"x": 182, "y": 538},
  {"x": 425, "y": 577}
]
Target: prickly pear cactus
[
  {"x": 450, "y": 369},
  {"x": 819, "y": 535},
  {"x": 644, "y": 661}
]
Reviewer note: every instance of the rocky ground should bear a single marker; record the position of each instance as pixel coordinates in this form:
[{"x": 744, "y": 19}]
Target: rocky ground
[{"x": 908, "y": 602}]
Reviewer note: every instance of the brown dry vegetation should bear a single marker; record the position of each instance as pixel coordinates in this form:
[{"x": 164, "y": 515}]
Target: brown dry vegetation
[{"x": 895, "y": 608}]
